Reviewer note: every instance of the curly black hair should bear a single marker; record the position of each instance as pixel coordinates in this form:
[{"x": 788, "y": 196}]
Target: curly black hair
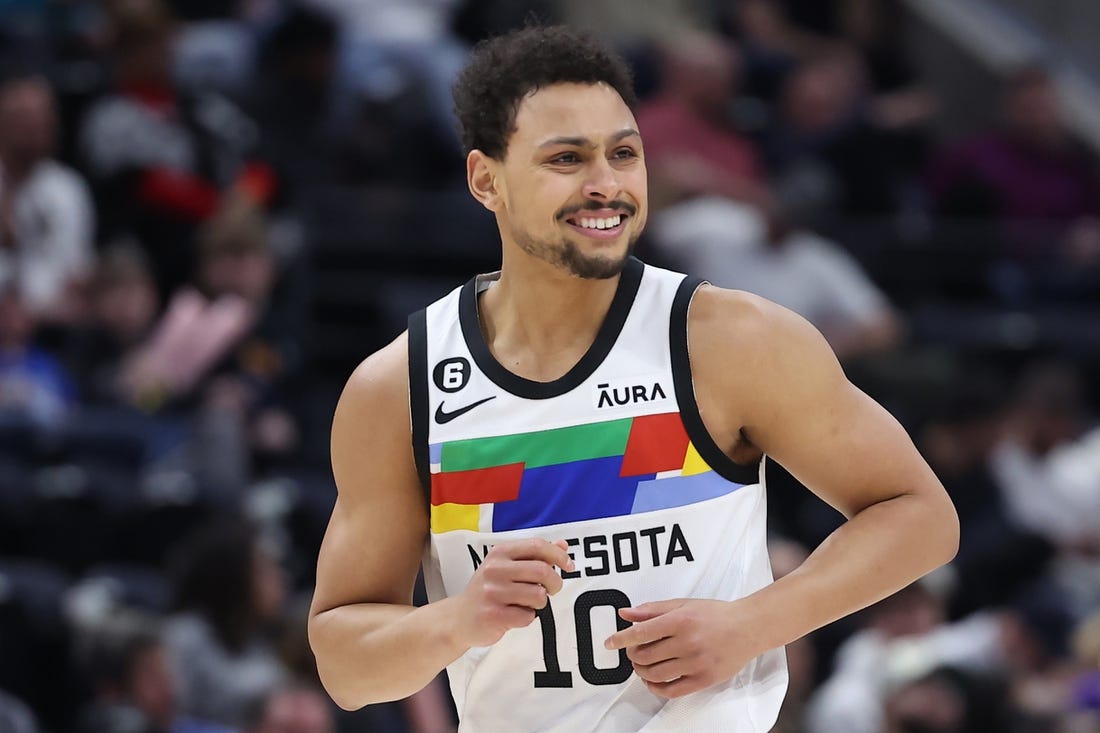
[{"x": 503, "y": 70}]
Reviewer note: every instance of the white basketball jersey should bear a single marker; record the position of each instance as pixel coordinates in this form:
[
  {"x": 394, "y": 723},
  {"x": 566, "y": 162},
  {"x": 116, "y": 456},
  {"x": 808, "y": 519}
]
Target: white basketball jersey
[{"x": 614, "y": 458}]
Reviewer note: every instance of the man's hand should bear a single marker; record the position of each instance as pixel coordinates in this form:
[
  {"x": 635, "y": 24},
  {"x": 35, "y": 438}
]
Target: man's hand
[
  {"x": 512, "y": 583},
  {"x": 684, "y": 645}
]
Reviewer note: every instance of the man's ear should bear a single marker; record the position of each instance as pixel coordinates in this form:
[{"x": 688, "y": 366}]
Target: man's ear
[{"x": 481, "y": 177}]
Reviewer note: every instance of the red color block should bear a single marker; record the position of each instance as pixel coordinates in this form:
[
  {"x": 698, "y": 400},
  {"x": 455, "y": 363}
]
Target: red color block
[
  {"x": 477, "y": 486},
  {"x": 656, "y": 443}
]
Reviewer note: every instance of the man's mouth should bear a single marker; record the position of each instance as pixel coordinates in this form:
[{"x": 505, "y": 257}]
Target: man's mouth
[{"x": 599, "y": 224}]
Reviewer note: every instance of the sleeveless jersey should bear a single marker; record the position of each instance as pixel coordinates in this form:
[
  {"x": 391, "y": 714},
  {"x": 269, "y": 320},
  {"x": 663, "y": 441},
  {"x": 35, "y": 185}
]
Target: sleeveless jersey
[{"x": 614, "y": 458}]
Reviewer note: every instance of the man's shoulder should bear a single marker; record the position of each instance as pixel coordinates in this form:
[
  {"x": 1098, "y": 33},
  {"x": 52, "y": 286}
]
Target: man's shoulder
[
  {"x": 733, "y": 312},
  {"x": 734, "y": 325},
  {"x": 387, "y": 368},
  {"x": 377, "y": 392}
]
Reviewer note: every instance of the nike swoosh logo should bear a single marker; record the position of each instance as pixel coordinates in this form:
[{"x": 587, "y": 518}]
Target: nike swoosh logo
[{"x": 442, "y": 416}]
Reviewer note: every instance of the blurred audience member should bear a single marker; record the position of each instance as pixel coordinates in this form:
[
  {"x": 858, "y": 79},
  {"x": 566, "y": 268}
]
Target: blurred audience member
[
  {"x": 32, "y": 381},
  {"x": 947, "y": 700},
  {"x": 229, "y": 593},
  {"x": 997, "y": 559},
  {"x": 237, "y": 262},
  {"x": 771, "y": 255},
  {"x": 46, "y": 215},
  {"x": 692, "y": 146},
  {"x": 825, "y": 122},
  {"x": 399, "y": 55},
  {"x": 133, "y": 686},
  {"x": 292, "y": 95},
  {"x": 122, "y": 310},
  {"x": 162, "y": 161},
  {"x": 930, "y": 704},
  {"x": 773, "y": 46},
  {"x": 1048, "y": 460},
  {"x": 1047, "y": 464},
  {"x": 1034, "y": 180},
  {"x": 295, "y": 709},
  {"x": 15, "y": 717},
  {"x": 903, "y": 638},
  {"x": 900, "y": 101},
  {"x": 215, "y": 50}
]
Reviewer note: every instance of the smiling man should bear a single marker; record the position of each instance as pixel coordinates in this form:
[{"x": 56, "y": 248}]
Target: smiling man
[{"x": 572, "y": 448}]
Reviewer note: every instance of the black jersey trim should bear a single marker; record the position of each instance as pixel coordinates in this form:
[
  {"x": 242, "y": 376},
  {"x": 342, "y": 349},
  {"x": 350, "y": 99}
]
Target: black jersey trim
[
  {"x": 418, "y": 397},
  {"x": 715, "y": 457},
  {"x": 629, "y": 281}
]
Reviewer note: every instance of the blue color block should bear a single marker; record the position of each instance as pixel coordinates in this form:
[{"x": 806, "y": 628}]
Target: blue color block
[{"x": 568, "y": 492}]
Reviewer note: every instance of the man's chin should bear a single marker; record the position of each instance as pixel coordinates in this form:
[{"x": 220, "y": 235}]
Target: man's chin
[{"x": 595, "y": 267}]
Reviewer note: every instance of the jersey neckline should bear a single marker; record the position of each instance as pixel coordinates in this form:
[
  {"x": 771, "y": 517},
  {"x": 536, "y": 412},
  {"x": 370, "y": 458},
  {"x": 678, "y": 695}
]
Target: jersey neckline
[{"x": 629, "y": 281}]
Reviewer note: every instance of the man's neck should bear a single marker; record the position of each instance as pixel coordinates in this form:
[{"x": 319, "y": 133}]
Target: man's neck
[{"x": 539, "y": 320}]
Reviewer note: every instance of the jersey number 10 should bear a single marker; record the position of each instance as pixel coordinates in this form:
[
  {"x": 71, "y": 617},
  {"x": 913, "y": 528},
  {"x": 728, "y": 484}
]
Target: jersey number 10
[{"x": 554, "y": 676}]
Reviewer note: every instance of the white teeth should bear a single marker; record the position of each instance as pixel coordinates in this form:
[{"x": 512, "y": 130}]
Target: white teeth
[{"x": 609, "y": 223}]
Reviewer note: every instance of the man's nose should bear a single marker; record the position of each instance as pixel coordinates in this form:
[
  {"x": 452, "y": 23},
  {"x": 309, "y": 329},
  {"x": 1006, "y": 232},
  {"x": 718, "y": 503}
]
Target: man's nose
[{"x": 602, "y": 181}]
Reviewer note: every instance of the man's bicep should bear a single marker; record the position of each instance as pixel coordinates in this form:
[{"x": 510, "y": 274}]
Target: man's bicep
[
  {"x": 825, "y": 431},
  {"x": 373, "y": 544}
]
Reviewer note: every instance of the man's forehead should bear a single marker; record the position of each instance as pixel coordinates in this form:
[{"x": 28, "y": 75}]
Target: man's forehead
[{"x": 594, "y": 112}]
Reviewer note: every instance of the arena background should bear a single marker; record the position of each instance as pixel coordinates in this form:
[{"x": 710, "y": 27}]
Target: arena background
[{"x": 210, "y": 211}]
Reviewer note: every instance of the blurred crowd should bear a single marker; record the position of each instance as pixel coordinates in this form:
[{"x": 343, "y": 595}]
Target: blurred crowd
[{"x": 210, "y": 210}]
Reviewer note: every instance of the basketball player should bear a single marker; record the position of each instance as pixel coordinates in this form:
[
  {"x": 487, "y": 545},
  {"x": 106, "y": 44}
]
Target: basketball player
[{"x": 572, "y": 447}]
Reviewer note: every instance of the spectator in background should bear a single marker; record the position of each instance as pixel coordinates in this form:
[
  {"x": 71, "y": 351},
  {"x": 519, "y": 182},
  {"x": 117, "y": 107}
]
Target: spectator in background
[
  {"x": 46, "y": 215},
  {"x": 692, "y": 145},
  {"x": 228, "y": 593},
  {"x": 769, "y": 252},
  {"x": 123, "y": 306},
  {"x": 1047, "y": 464},
  {"x": 998, "y": 558},
  {"x": 293, "y": 709},
  {"x": 15, "y": 717},
  {"x": 292, "y": 94},
  {"x": 133, "y": 686},
  {"x": 773, "y": 46},
  {"x": 399, "y": 52},
  {"x": 163, "y": 162},
  {"x": 903, "y": 638},
  {"x": 237, "y": 264},
  {"x": 824, "y": 122},
  {"x": 1038, "y": 185},
  {"x": 946, "y": 700},
  {"x": 32, "y": 381}
]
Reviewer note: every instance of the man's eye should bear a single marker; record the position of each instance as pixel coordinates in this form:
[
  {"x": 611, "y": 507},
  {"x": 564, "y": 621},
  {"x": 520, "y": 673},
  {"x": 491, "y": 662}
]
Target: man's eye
[
  {"x": 624, "y": 153},
  {"x": 566, "y": 158}
]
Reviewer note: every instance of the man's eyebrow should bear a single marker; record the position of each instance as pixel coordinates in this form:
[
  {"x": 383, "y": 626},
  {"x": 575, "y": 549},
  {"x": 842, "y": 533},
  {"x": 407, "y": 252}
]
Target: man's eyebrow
[{"x": 583, "y": 142}]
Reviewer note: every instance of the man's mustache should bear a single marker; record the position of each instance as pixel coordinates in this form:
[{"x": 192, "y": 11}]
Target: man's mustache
[{"x": 622, "y": 206}]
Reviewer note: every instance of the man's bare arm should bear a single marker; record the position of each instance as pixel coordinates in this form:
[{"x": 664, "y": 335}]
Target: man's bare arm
[
  {"x": 792, "y": 401},
  {"x": 371, "y": 643},
  {"x": 766, "y": 380}
]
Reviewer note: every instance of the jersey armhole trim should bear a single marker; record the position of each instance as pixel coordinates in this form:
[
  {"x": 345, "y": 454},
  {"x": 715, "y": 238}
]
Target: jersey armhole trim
[
  {"x": 682, "y": 381},
  {"x": 418, "y": 397}
]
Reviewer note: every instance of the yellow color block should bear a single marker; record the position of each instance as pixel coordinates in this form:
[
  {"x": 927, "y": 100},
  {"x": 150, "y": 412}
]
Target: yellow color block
[
  {"x": 449, "y": 517},
  {"x": 693, "y": 462}
]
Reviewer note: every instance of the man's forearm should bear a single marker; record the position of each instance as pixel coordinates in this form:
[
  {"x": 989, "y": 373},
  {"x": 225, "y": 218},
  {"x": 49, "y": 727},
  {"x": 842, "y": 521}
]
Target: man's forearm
[
  {"x": 369, "y": 653},
  {"x": 874, "y": 554}
]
